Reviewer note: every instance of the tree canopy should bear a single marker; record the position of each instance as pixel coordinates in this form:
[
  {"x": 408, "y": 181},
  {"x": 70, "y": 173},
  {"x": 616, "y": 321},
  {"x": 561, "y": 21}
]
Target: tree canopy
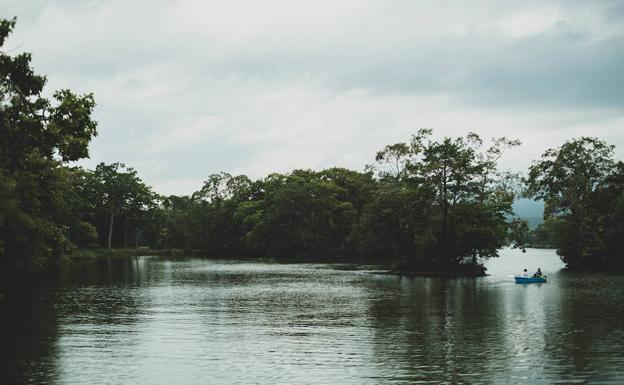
[
  {"x": 581, "y": 184},
  {"x": 426, "y": 203},
  {"x": 39, "y": 135}
]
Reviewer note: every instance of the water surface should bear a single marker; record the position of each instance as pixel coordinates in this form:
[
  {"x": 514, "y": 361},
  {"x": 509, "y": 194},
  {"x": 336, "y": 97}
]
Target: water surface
[{"x": 151, "y": 320}]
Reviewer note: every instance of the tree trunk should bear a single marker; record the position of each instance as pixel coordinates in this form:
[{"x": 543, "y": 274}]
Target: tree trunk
[
  {"x": 110, "y": 229},
  {"x": 444, "y": 217},
  {"x": 126, "y": 234}
]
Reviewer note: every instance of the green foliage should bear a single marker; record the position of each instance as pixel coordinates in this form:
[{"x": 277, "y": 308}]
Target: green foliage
[
  {"x": 394, "y": 158},
  {"x": 396, "y": 223},
  {"x": 304, "y": 215},
  {"x": 38, "y": 136},
  {"x": 47, "y": 209},
  {"x": 177, "y": 219},
  {"x": 439, "y": 203},
  {"x": 545, "y": 235},
  {"x": 449, "y": 205},
  {"x": 581, "y": 185},
  {"x": 121, "y": 195},
  {"x": 611, "y": 201}
]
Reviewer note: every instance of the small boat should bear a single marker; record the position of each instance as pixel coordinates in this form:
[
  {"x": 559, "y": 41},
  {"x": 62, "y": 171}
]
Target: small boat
[{"x": 520, "y": 279}]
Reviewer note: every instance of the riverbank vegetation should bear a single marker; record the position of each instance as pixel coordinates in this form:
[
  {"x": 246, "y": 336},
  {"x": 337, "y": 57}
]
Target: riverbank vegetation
[
  {"x": 582, "y": 186},
  {"x": 435, "y": 205},
  {"x": 428, "y": 204}
]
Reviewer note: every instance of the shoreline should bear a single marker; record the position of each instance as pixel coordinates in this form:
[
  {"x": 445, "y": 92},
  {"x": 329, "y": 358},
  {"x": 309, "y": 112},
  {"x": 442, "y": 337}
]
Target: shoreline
[{"x": 389, "y": 267}]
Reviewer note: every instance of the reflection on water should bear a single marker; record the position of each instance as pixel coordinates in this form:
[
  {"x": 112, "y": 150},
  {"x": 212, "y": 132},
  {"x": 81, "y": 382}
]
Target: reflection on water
[{"x": 190, "y": 321}]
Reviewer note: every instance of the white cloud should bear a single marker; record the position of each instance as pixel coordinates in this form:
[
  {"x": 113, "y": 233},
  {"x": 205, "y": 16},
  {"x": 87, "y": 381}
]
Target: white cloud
[
  {"x": 189, "y": 88},
  {"x": 178, "y": 186}
]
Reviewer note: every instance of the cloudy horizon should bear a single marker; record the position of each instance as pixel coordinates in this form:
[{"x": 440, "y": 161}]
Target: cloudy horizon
[{"x": 190, "y": 88}]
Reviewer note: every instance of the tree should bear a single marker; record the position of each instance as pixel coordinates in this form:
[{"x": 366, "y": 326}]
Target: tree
[
  {"x": 570, "y": 180},
  {"x": 178, "y": 222},
  {"x": 396, "y": 223},
  {"x": 122, "y": 194},
  {"x": 76, "y": 196},
  {"x": 394, "y": 158},
  {"x": 546, "y": 233},
  {"x": 473, "y": 198},
  {"x": 611, "y": 201},
  {"x": 39, "y": 135},
  {"x": 449, "y": 205},
  {"x": 217, "y": 229}
]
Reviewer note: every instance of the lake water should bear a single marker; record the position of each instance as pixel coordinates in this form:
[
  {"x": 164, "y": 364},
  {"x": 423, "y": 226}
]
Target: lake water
[{"x": 150, "y": 320}]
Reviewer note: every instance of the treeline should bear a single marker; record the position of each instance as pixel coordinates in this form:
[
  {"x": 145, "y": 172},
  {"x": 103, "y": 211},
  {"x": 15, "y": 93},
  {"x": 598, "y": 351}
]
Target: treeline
[{"x": 430, "y": 204}]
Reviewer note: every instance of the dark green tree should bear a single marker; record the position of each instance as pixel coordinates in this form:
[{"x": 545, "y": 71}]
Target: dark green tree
[
  {"x": 39, "y": 135},
  {"x": 573, "y": 181},
  {"x": 611, "y": 200},
  {"x": 450, "y": 205},
  {"x": 177, "y": 222},
  {"x": 122, "y": 194},
  {"x": 545, "y": 235}
]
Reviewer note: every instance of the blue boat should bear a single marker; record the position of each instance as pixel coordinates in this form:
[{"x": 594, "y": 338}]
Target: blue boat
[{"x": 520, "y": 279}]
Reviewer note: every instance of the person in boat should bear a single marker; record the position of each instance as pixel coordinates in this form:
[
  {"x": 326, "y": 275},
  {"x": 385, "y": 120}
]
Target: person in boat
[
  {"x": 525, "y": 273},
  {"x": 538, "y": 273}
]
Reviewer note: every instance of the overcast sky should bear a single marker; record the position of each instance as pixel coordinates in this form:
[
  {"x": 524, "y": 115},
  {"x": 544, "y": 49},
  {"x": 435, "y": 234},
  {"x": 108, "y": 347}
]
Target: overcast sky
[{"x": 189, "y": 88}]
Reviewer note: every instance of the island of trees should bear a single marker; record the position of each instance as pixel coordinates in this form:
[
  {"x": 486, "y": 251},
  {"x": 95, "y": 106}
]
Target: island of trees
[{"x": 424, "y": 205}]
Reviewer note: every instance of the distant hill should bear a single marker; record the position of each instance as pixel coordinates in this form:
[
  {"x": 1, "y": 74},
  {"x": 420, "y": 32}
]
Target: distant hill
[
  {"x": 530, "y": 210},
  {"x": 533, "y": 221}
]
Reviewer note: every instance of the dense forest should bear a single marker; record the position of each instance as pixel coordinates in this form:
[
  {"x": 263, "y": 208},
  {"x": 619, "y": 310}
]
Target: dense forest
[{"x": 427, "y": 203}]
